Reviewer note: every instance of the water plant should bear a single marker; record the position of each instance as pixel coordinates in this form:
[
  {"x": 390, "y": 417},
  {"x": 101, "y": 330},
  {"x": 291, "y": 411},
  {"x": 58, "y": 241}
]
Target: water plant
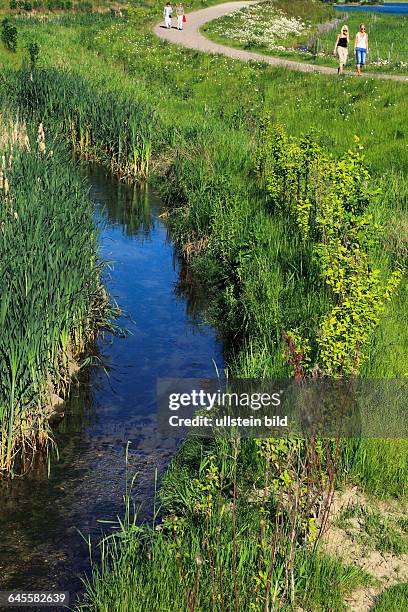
[
  {"x": 52, "y": 300},
  {"x": 121, "y": 140},
  {"x": 264, "y": 275}
]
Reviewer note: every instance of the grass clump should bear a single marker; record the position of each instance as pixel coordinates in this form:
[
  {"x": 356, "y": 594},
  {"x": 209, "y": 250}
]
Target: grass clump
[
  {"x": 379, "y": 466},
  {"x": 393, "y": 598},
  {"x": 376, "y": 531},
  {"x": 218, "y": 545},
  {"x": 263, "y": 277}
]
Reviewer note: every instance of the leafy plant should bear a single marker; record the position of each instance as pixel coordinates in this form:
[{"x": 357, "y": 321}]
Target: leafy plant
[
  {"x": 33, "y": 49},
  {"x": 327, "y": 201},
  {"x": 9, "y": 35}
]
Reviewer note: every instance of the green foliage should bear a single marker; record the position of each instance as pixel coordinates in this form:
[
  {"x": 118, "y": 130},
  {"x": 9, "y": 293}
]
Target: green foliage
[
  {"x": 9, "y": 35},
  {"x": 227, "y": 548},
  {"x": 50, "y": 5},
  {"x": 378, "y": 466},
  {"x": 327, "y": 200}
]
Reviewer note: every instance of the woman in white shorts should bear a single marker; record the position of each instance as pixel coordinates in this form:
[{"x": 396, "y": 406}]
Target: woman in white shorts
[
  {"x": 167, "y": 14},
  {"x": 341, "y": 48}
]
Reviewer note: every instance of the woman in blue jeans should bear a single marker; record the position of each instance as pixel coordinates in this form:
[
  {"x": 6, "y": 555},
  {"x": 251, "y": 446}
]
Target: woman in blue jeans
[{"x": 361, "y": 47}]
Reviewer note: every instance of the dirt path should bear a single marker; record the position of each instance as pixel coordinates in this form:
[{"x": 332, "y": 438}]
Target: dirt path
[
  {"x": 191, "y": 38},
  {"x": 346, "y": 544}
]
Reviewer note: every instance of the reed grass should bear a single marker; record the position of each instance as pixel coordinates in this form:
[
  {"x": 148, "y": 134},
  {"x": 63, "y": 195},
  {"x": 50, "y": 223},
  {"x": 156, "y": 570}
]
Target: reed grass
[
  {"x": 52, "y": 301},
  {"x": 120, "y": 139}
]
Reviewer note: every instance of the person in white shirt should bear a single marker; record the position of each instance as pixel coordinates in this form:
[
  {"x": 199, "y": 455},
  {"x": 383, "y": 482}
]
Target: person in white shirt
[
  {"x": 167, "y": 13},
  {"x": 361, "y": 47}
]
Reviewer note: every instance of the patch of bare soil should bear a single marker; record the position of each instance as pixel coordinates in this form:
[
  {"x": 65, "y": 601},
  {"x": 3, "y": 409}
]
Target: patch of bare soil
[{"x": 387, "y": 569}]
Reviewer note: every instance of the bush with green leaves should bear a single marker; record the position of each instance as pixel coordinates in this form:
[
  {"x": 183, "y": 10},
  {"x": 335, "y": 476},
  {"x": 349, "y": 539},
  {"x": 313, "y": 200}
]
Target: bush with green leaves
[
  {"x": 327, "y": 200},
  {"x": 9, "y": 35},
  {"x": 33, "y": 49}
]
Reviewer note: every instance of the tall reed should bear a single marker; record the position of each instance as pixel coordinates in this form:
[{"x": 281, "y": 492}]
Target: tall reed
[
  {"x": 52, "y": 301},
  {"x": 103, "y": 126}
]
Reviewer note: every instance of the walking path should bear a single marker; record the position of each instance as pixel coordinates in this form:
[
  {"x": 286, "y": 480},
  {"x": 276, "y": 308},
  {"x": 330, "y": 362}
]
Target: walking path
[{"x": 192, "y": 38}]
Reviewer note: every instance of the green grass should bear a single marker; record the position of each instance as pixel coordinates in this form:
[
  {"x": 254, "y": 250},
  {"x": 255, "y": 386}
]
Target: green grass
[
  {"x": 135, "y": 578},
  {"x": 262, "y": 27},
  {"x": 206, "y": 143},
  {"x": 387, "y": 35},
  {"x": 380, "y": 466},
  {"x": 393, "y": 598},
  {"x": 212, "y": 549}
]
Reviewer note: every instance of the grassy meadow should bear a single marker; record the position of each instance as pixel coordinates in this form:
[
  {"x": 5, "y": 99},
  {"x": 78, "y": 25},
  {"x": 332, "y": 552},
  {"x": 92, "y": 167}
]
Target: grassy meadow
[
  {"x": 297, "y": 30},
  {"x": 230, "y": 503}
]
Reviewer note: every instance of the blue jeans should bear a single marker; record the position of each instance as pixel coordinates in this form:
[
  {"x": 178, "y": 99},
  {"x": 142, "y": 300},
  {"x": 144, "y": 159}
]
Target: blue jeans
[{"x": 360, "y": 56}]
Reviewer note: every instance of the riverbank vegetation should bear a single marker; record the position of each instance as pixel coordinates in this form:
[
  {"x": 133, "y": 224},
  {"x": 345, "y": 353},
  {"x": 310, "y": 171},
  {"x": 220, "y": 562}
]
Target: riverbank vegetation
[
  {"x": 304, "y": 33},
  {"x": 228, "y": 503},
  {"x": 52, "y": 300}
]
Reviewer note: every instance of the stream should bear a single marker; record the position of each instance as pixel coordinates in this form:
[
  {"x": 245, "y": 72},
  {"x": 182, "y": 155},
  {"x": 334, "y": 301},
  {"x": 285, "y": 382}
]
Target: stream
[{"x": 40, "y": 515}]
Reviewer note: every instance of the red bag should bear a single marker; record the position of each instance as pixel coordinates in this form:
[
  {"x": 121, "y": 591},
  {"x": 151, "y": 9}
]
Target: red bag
[{"x": 184, "y": 19}]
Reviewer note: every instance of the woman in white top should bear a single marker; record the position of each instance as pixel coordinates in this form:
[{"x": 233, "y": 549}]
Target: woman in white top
[
  {"x": 167, "y": 14},
  {"x": 361, "y": 47}
]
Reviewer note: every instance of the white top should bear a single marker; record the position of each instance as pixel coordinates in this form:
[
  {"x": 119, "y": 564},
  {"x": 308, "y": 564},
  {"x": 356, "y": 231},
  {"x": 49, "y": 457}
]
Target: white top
[
  {"x": 167, "y": 11},
  {"x": 361, "y": 40}
]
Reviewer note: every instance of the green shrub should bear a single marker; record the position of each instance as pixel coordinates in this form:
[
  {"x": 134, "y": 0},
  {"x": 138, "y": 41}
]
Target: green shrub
[
  {"x": 33, "y": 51},
  {"x": 9, "y": 35}
]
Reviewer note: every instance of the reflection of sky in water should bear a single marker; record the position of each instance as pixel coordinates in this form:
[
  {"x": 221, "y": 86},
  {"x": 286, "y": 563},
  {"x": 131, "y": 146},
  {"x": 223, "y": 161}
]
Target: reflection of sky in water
[
  {"x": 38, "y": 516},
  {"x": 388, "y": 7}
]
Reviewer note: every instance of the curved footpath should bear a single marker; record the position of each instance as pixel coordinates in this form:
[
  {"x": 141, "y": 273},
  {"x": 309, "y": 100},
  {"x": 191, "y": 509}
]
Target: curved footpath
[{"x": 192, "y": 38}]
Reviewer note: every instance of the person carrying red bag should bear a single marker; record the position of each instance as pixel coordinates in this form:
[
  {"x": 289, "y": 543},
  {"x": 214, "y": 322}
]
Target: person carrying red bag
[{"x": 181, "y": 18}]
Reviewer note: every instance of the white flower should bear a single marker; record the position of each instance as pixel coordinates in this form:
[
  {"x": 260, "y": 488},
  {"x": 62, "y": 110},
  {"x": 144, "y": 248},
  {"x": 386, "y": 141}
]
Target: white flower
[{"x": 260, "y": 25}]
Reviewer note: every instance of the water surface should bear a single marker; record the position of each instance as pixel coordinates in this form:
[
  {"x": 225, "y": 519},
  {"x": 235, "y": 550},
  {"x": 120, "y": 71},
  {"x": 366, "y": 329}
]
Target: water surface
[
  {"x": 40, "y": 546},
  {"x": 391, "y": 8}
]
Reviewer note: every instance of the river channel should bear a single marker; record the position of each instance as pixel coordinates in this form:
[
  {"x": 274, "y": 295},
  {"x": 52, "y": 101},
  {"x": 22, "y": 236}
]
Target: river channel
[{"x": 163, "y": 309}]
